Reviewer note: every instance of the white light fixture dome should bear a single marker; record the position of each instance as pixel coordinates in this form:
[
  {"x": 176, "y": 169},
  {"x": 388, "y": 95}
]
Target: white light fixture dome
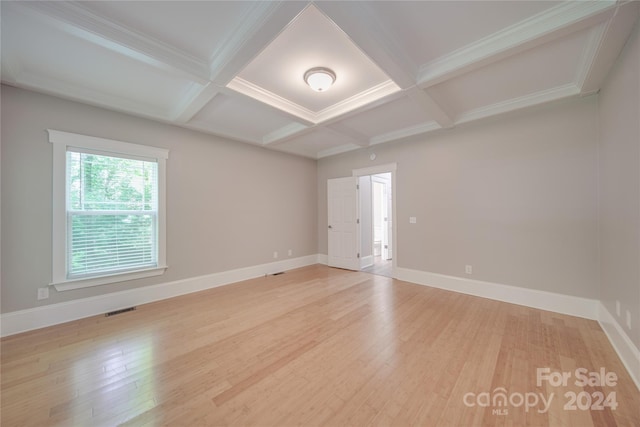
[{"x": 319, "y": 79}]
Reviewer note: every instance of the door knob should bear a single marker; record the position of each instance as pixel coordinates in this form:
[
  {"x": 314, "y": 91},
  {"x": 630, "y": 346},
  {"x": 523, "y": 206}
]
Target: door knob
[{"x": 330, "y": 227}]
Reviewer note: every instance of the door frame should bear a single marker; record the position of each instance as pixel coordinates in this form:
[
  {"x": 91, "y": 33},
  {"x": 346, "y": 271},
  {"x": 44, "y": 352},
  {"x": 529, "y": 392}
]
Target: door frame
[
  {"x": 374, "y": 170},
  {"x": 386, "y": 244}
]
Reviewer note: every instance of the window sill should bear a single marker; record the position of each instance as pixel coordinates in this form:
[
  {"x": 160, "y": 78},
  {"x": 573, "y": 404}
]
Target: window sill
[{"x": 67, "y": 285}]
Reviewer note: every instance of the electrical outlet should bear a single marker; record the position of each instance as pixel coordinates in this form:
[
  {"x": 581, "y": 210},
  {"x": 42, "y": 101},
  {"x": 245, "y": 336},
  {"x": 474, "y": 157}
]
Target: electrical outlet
[
  {"x": 618, "y": 308},
  {"x": 275, "y": 255},
  {"x": 412, "y": 220},
  {"x": 468, "y": 269},
  {"x": 628, "y": 319},
  {"x": 43, "y": 293},
  {"x": 290, "y": 252}
]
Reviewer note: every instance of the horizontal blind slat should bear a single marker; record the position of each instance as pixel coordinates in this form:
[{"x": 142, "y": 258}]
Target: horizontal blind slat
[{"x": 111, "y": 214}]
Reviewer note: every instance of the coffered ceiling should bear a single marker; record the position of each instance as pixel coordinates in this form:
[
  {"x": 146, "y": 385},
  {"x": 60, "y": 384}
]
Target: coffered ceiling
[{"x": 235, "y": 69}]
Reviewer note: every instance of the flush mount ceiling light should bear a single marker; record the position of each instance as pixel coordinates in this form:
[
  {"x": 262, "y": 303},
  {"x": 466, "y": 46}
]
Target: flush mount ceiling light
[{"x": 320, "y": 79}]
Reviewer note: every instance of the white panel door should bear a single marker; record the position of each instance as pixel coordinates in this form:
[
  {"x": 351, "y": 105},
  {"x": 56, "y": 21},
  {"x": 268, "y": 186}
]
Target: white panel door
[{"x": 342, "y": 216}]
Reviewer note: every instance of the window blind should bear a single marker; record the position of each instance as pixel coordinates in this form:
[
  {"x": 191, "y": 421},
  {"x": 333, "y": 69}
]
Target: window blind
[{"x": 112, "y": 214}]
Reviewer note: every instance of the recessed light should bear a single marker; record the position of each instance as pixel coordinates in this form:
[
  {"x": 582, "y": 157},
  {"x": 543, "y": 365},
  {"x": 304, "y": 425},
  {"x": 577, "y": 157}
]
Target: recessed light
[{"x": 320, "y": 79}]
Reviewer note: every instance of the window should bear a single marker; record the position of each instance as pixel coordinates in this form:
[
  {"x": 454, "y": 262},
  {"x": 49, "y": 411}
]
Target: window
[{"x": 108, "y": 210}]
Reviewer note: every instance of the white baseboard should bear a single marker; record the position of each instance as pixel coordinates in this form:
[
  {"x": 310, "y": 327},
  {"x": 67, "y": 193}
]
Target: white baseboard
[
  {"x": 53, "y": 314},
  {"x": 366, "y": 261},
  {"x": 565, "y": 304},
  {"x": 622, "y": 344},
  {"x": 323, "y": 259}
]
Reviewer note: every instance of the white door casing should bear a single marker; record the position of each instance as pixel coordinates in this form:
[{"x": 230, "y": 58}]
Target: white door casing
[
  {"x": 389, "y": 222},
  {"x": 391, "y": 168},
  {"x": 386, "y": 206}
]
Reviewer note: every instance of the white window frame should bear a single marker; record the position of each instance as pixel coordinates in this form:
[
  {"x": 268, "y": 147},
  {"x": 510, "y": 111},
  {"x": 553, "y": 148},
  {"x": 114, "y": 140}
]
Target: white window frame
[{"x": 61, "y": 142}]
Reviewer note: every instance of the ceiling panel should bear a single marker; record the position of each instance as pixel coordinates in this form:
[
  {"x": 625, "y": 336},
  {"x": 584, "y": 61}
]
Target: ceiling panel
[
  {"x": 429, "y": 29},
  {"x": 43, "y": 53},
  {"x": 312, "y": 40},
  {"x": 548, "y": 66},
  {"x": 400, "y": 114},
  {"x": 313, "y": 143},
  {"x": 236, "y": 115},
  {"x": 235, "y": 68},
  {"x": 195, "y": 27}
]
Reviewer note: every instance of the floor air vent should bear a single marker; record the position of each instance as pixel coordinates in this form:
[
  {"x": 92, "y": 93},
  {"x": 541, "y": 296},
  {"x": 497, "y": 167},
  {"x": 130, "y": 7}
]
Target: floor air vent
[{"x": 124, "y": 310}]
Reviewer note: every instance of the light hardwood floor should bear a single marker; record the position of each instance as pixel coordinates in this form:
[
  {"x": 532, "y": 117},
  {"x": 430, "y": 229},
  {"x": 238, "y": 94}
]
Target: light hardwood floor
[{"x": 314, "y": 346}]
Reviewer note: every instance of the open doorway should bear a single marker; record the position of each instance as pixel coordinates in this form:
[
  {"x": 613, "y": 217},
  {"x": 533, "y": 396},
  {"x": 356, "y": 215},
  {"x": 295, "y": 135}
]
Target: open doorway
[{"x": 376, "y": 224}]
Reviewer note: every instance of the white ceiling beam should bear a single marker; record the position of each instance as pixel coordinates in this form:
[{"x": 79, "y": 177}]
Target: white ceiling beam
[
  {"x": 548, "y": 25},
  {"x": 285, "y": 133},
  {"x": 605, "y": 44},
  {"x": 223, "y": 133},
  {"x": 430, "y": 107},
  {"x": 257, "y": 28},
  {"x": 194, "y": 101},
  {"x": 76, "y": 20},
  {"x": 336, "y": 150},
  {"x": 367, "y": 31},
  {"x": 405, "y": 132},
  {"x": 255, "y": 31},
  {"x": 295, "y": 130},
  {"x": 365, "y": 28},
  {"x": 358, "y": 138},
  {"x": 538, "y": 98}
]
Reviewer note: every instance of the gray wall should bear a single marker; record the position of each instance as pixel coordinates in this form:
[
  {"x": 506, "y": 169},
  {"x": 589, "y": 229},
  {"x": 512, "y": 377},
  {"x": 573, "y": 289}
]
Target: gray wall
[
  {"x": 619, "y": 188},
  {"x": 514, "y": 197},
  {"x": 229, "y": 204}
]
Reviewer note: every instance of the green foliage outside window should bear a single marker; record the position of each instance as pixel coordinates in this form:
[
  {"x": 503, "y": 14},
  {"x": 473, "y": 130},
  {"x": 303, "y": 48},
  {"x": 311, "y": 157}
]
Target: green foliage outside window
[{"x": 112, "y": 211}]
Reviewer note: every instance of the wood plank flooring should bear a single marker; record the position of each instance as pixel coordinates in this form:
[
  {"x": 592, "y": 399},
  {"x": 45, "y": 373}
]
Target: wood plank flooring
[{"x": 314, "y": 346}]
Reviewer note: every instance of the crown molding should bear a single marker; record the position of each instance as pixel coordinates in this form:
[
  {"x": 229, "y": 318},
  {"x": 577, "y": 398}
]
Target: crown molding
[
  {"x": 247, "y": 88},
  {"x": 514, "y": 104},
  {"x": 361, "y": 99},
  {"x": 557, "y": 21},
  {"x": 368, "y": 96}
]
